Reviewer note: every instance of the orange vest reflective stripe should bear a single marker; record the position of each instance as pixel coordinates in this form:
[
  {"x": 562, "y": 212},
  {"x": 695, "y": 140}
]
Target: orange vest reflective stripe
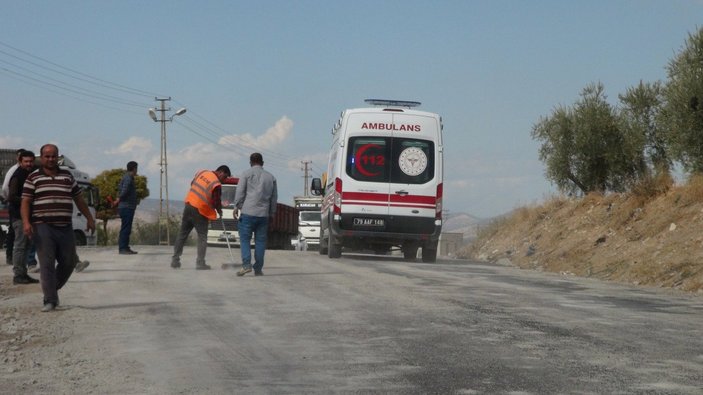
[{"x": 200, "y": 194}]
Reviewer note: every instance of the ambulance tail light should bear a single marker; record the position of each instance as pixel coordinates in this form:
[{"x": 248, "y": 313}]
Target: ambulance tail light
[
  {"x": 438, "y": 202},
  {"x": 337, "y": 196}
]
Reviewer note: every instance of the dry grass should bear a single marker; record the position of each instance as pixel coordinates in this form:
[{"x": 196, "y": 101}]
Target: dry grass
[{"x": 651, "y": 236}]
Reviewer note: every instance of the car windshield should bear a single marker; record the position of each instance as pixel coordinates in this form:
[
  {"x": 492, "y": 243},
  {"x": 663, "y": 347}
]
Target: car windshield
[
  {"x": 311, "y": 216},
  {"x": 227, "y": 197}
]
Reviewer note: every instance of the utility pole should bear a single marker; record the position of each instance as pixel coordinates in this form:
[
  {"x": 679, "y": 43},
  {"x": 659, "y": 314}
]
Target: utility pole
[
  {"x": 305, "y": 177},
  {"x": 164, "y": 215},
  {"x": 163, "y": 181}
]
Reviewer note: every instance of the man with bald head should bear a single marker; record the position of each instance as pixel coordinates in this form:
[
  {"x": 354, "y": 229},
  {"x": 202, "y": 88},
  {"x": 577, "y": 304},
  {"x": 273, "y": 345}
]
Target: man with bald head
[{"x": 47, "y": 213}]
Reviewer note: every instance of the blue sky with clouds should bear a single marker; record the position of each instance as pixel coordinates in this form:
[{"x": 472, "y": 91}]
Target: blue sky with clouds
[{"x": 273, "y": 76}]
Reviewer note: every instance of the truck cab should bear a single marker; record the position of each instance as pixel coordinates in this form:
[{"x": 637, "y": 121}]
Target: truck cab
[
  {"x": 91, "y": 195},
  {"x": 225, "y": 228},
  {"x": 308, "y": 219}
]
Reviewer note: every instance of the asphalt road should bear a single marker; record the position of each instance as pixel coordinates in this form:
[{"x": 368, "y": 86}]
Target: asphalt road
[{"x": 367, "y": 324}]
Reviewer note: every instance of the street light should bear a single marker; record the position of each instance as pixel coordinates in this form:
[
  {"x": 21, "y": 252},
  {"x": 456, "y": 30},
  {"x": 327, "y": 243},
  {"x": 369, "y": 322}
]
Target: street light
[{"x": 163, "y": 181}]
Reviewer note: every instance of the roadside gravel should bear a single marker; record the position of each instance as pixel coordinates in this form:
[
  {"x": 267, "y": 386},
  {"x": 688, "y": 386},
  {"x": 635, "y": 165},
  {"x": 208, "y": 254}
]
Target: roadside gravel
[{"x": 56, "y": 352}]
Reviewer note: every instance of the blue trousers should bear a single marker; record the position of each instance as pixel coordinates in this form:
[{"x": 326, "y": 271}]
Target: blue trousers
[
  {"x": 259, "y": 226},
  {"x": 127, "y": 217}
]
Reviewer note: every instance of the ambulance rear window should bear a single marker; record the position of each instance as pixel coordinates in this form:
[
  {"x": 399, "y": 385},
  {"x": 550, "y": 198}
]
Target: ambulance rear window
[
  {"x": 413, "y": 161},
  {"x": 368, "y": 159},
  {"x": 387, "y": 159}
]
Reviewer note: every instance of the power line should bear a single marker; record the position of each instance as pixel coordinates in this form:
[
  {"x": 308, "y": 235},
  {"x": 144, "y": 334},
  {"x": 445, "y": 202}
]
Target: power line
[
  {"x": 43, "y": 86},
  {"x": 91, "y": 79},
  {"x": 224, "y": 133},
  {"x": 62, "y": 87},
  {"x": 71, "y": 88}
]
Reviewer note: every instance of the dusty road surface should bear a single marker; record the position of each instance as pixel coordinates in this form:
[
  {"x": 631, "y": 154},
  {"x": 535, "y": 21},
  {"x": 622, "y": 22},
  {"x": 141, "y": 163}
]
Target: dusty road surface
[{"x": 359, "y": 324}]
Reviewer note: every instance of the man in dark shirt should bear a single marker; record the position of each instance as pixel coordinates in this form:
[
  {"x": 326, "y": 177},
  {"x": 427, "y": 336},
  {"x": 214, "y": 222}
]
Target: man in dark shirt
[
  {"x": 126, "y": 206},
  {"x": 10, "y": 237},
  {"x": 14, "y": 197}
]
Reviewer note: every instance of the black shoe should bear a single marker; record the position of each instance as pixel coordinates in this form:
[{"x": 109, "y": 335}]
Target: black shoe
[
  {"x": 259, "y": 273},
  {"x": 176, "y": 264},
  {"x": 81, "y": 265},
  {"x": 202, "y": 267},
  {"x": 128, "y": 251},
  {"x": 24, "y": 280}
]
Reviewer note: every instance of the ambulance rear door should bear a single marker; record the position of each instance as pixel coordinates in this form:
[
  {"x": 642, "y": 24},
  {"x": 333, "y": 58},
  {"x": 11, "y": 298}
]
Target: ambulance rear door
[
  {"x": 367, "y": 171},
  {"x": 415, "y": 166}
]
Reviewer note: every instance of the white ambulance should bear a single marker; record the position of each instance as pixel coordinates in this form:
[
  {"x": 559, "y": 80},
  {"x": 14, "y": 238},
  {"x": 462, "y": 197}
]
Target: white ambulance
[{"x": 384, "y": 182}]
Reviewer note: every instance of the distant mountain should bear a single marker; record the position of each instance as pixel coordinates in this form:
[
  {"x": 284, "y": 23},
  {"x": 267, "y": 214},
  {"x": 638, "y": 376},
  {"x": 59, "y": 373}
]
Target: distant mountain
[
  {"x": 464, "y": 223},
  {"x": 148, "y": 209}
]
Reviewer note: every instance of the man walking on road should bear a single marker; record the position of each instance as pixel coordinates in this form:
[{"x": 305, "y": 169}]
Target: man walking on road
[
  {"x": 47, "y": 209},
  {"x": 14, "y": 197},
  {"x": 202, "y": 204},
  {"x": 255, "y": 200},
  {"x": 126, "y": 206}
]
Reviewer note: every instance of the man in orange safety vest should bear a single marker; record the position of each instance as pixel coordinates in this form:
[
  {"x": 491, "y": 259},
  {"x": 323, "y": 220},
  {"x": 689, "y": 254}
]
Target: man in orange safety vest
[{"x": 202, "y": 204}]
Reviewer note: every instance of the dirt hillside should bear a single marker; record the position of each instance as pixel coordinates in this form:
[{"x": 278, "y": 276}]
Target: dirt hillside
[{"x": 646, "y": 238}]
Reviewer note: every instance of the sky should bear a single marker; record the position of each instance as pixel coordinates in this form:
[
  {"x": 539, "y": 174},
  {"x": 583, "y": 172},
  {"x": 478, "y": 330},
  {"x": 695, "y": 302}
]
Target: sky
[{"x": 273, "y": 77}]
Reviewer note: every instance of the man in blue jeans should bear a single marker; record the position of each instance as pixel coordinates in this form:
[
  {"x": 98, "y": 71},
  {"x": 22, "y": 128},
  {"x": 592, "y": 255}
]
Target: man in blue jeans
[
  {"x": 255, "y": 200},
  {"x": 126, "y": 206}
]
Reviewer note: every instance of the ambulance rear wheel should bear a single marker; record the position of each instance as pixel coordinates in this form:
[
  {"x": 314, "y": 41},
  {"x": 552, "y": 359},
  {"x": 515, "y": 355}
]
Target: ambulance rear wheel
[
  {"x": 323, "y": 244},
  {"x": 410, "y": 253},
  {"x": 429, "y": 256},
  {"x": 334, "y": 250}
]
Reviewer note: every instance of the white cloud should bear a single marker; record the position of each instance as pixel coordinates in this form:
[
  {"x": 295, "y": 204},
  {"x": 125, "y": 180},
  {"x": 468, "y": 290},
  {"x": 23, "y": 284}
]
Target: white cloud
[
  {"x": 318, "y": 162},
  {"x": 184, "y": 162},
  {"x": 13, "y": 142},
  {"x": 461, "y": 184},
  {"x": 132, "y": 144},
  {"x": 270, "y": 139}
]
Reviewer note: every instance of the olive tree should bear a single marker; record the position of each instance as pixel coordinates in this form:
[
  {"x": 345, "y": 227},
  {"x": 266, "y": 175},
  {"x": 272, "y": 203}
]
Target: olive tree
[
  {"x": 641, "y": 117},
  {"x": 584, "y": 147},
  {"x": 683, "y": 110},
  {"x": 108, "y": 182}
]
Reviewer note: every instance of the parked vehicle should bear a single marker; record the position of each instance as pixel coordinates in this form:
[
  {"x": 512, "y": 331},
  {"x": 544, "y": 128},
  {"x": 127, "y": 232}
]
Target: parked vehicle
[
  {"x": 308, "y": 219},
  {"x": 384, "y": 182},
  {"x": 281, "y": 228},
  {"x": 8, "y": 157}
]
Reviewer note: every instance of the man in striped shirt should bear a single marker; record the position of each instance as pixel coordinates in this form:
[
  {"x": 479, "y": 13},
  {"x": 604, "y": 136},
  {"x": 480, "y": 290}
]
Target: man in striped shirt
[{"x": 47, "y": 210}]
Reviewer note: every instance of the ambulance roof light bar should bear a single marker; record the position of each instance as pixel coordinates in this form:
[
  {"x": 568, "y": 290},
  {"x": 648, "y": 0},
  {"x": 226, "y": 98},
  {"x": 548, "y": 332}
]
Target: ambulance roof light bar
[{"x": 392, "y": 103}]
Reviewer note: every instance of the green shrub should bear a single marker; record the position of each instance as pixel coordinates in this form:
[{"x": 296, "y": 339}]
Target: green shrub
[{"x": 147, "y": 233}]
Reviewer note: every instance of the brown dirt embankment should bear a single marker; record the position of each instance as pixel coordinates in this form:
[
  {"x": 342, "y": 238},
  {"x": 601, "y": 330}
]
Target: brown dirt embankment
[{"x": 650, "y": 238}]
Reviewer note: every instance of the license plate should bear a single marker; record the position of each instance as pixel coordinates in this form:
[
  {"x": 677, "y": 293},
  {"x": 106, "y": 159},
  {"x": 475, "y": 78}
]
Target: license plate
[{"x": 369, "y": 222}]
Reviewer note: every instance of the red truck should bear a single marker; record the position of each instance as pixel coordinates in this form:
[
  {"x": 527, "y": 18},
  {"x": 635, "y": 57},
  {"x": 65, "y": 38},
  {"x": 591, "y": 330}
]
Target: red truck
[{"x": 281, "y": 229}]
